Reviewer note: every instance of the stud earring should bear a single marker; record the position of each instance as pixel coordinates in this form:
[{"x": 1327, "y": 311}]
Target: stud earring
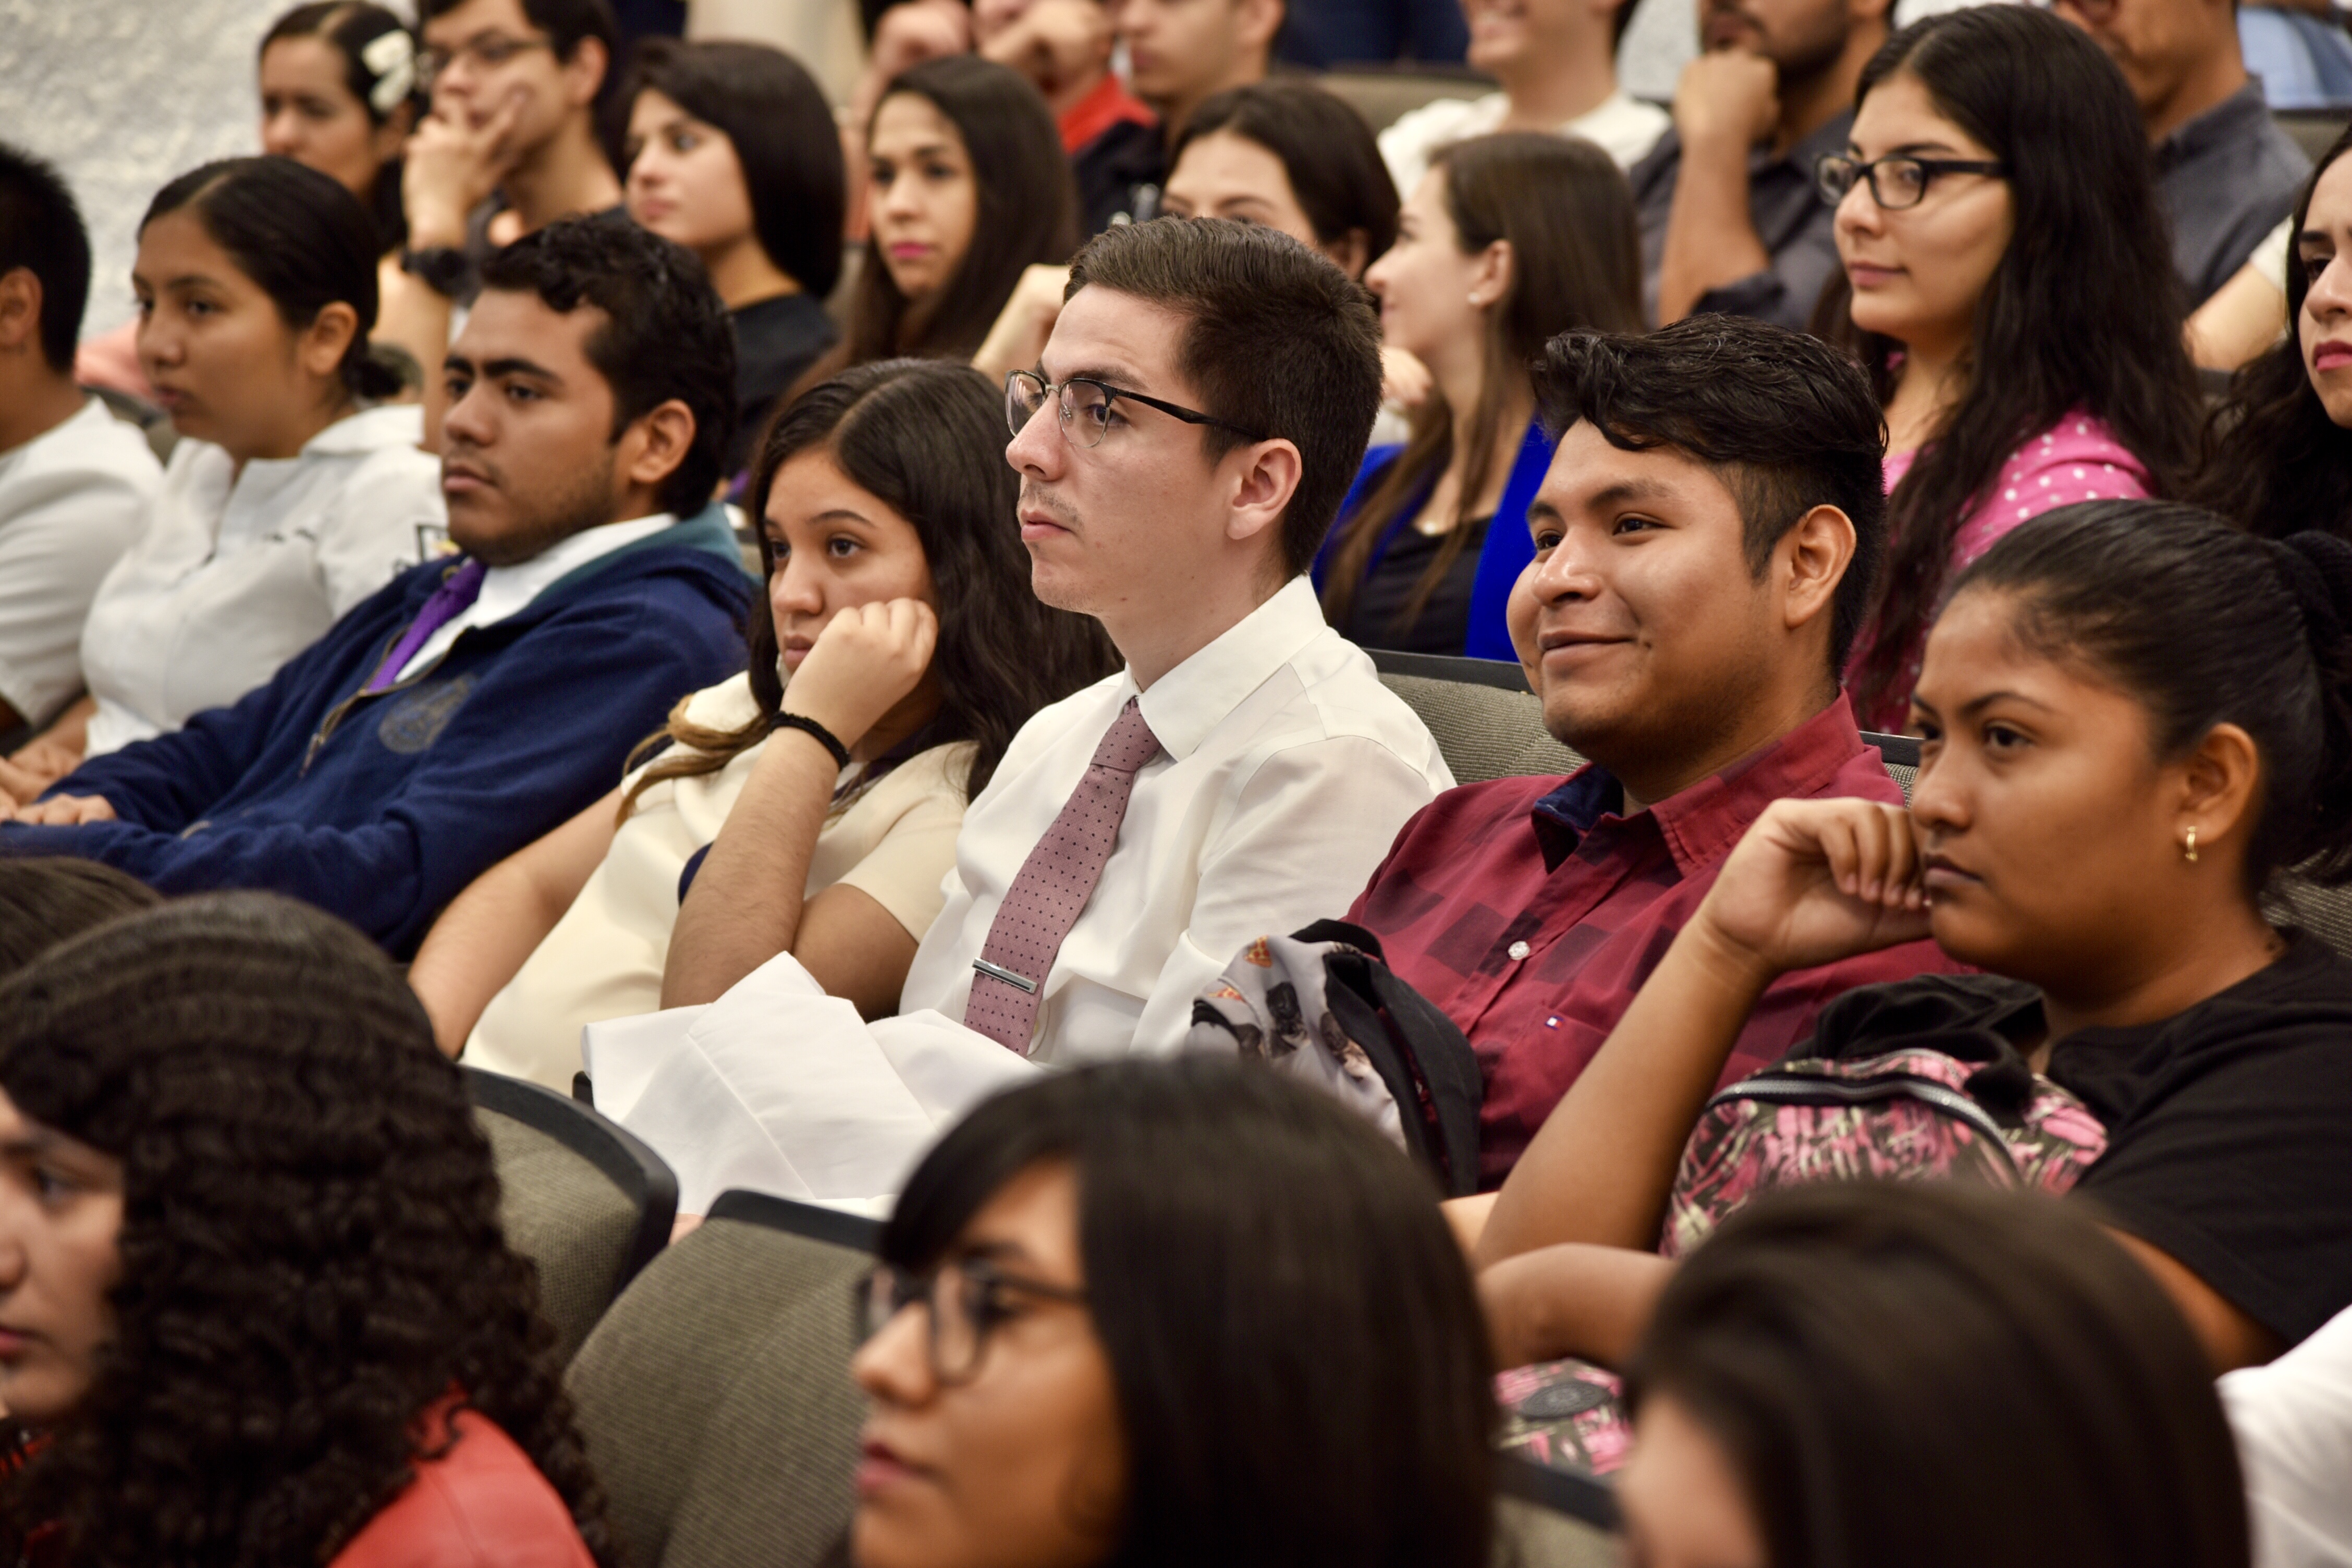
[{"x": 2188, "y": 850}]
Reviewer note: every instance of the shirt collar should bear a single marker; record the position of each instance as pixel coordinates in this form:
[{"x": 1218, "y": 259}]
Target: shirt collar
[
  {"x": 1701, "y": 823},
  {"x": 1194, "y": 698},
  {"x": 2241, "y": 114},
  {"x": 370, "y": 430},
  {"x": 507, "y": 589},
  {"x": 1831, "y": 137}
]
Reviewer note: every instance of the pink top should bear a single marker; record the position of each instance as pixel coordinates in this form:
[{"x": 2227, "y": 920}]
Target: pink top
[
  {"x": 481, "y": 1504},
  {"x": 2078, "y": 459}
]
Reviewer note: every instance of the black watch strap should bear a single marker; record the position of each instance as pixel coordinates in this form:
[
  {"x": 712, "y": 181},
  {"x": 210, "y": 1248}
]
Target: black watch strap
[
  {"x": 824, "y": 737},
  {"x": 444, "y": 268}
]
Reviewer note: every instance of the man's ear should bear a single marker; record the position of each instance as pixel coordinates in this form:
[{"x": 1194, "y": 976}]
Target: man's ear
[
  {"x": 1810, "y": 561},
  {"x": 1264, "y": 477},
  {"x": 584, "y": 73},
  {"x": 1260, "y": 21},
  {"x": 656, "y": 443},
  {"x": 20, "y": 309}
]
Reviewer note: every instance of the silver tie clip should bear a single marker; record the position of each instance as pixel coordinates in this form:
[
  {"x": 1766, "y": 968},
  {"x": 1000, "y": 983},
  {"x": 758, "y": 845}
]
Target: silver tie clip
[{"x": 1001, "y": 973}]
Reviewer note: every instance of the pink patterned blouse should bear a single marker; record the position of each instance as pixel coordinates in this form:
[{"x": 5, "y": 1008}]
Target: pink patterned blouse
[{"x": 2078, "y": 459}]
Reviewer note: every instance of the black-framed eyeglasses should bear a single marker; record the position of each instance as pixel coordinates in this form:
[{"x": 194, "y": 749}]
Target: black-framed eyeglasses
[
  {"x": 963, "y": 1303},
  {"x": 1895, "y": 183},
  {"x": 484, "y": 52},
  {"x": 1086, "y": 407}
]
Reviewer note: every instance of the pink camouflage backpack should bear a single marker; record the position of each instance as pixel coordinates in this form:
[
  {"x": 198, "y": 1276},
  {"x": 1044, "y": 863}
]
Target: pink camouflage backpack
[{"x": 1963, "y": 1107}]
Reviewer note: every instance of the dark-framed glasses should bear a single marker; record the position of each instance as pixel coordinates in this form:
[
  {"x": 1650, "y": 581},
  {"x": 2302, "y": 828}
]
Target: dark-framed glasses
[
  {"x": 1086, "y": 407},
  {"x": 485, "y": 51},
  {"x": 1895, "y": 183},
  {"x": 964, "y": 1301}
]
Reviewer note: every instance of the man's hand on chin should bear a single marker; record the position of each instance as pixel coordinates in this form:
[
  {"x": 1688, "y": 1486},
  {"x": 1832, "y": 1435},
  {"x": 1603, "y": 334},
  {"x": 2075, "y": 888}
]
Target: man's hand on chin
[{"x": 58, "y": 811}]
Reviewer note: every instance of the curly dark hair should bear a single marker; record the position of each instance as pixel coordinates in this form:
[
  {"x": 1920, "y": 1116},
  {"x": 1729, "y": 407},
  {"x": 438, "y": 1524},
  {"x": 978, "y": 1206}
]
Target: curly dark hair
[{"x": 310, "y": 1252}]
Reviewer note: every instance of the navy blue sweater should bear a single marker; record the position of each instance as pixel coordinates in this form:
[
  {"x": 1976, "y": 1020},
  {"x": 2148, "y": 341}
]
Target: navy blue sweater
[{"x": 382, "y": 808}]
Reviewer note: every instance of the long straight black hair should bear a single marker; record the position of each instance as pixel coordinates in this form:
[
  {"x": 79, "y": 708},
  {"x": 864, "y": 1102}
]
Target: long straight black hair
[
  {"x": 2083, "y": 311},
  {"x": 1028, "y": 212},
  {"x": 2274, "y": 461},
  {"x": 1301, "y": 1368},
  {"x": 1945, "y": 1376},
  {"x": 927, "y": 437}
]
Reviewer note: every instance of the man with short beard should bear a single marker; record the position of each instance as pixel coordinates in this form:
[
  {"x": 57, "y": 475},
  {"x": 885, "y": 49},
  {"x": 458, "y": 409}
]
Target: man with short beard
[
  {"x": 478, "y": 701},
  {"x": 1731, "y": 221}
]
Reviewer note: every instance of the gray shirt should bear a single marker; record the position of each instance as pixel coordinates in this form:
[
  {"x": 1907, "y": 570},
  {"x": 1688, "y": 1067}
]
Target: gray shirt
[
  {"x": 2226, "y": 179},
  {"x": 1794, "y": 224}
]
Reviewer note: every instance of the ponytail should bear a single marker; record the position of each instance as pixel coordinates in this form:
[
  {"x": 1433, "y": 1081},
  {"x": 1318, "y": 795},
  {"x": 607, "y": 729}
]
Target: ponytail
[
  {"x": 303, "y": 239},
  {"x": 2205, "y": 625}
]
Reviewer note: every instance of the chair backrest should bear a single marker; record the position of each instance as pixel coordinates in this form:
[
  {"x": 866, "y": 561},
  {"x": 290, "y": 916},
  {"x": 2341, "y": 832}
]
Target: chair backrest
[
  {"x": 1383, "y": 95},
  {"x": 715, "y": 1396},
  {"x": 1551, "y": 1518},
  {"x": 1488, "y": 725},
  {"x": 2325, "y": 912},
  {"x": 2314, "y": 129},
  {"x": 581, "y": 1198}
]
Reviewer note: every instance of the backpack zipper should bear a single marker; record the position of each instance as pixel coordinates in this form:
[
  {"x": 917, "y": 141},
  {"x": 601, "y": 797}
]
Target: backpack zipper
[{"x": 1793, "y": 1091}]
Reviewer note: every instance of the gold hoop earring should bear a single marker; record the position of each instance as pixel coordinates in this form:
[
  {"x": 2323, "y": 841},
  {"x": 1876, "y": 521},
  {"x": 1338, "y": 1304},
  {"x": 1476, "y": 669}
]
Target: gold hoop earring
[{"x": 2188, "y": 850}]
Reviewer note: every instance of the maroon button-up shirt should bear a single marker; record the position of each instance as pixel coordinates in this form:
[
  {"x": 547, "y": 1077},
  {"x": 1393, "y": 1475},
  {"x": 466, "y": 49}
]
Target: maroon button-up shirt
[{"x": 1530, "y": 911}]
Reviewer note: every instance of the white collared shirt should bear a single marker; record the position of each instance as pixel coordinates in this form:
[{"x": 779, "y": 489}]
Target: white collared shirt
[
  {"x": 1620, "y": 125},
  {"x": 1288, "y": 769},
  {"x": 237, "y": 572},
  {"x": 71, "y": 501},
  {"x": 507, "y": 590},
  {"x": 2293, "y": 1421}
]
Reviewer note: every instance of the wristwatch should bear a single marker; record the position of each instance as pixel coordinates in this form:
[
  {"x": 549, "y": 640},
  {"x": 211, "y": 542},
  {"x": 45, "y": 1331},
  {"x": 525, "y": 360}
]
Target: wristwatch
[{"x": 444, "y": 268}]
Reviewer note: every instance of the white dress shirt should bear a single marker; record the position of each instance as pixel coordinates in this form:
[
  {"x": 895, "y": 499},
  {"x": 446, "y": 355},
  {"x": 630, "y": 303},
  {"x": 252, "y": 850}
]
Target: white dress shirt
[
  {"x": 237, "y": 572},
  {"x": 2292, "y": 1419},
  {"x": 71, "y": 501},
  {"x": 1620, "y": 125},
  {"x": 1288, "y": 770},
  {"x": 509, "y": 589}
]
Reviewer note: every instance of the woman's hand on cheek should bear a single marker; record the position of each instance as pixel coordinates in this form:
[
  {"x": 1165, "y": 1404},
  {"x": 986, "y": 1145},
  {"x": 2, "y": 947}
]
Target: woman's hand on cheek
[
  {"x": 864, "y": 663},
  {"x": 1816, "y": 880}
]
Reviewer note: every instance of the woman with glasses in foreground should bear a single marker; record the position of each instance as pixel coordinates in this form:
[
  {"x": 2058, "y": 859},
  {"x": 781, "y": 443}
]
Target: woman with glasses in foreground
[
  {"x": 1173, "y": 1312},
  {"x": 2009, "y": 286}
]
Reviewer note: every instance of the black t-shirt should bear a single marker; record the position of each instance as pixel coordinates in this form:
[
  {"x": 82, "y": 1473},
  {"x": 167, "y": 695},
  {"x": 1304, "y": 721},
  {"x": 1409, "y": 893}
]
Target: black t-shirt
[
  {"x": 776, "y": 340},
  {"x": 1443, "y": 624},
  {"x": 2229, "y": 1125}
]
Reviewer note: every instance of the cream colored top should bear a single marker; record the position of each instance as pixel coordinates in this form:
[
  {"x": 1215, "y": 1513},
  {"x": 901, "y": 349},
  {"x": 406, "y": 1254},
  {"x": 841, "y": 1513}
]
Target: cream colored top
[{"x": 894, "y": 841}]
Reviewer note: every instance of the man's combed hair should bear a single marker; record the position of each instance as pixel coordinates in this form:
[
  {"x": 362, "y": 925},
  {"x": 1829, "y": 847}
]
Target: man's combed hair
[
  {"x": 1277, "y": 341},
  {"x": 565, "y": 23},
  {"x": 1787, "y": 423},
  {"x": 41, "y": 229},
  {"x": 666, "y": 333}
]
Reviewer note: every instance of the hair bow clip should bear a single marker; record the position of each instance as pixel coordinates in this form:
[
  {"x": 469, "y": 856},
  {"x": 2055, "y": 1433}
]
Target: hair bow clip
[{"x": 391, "y": 58}]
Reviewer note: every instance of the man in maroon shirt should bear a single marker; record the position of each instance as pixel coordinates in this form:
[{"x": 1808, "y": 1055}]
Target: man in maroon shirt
[{"x": 1705, "y": 543}]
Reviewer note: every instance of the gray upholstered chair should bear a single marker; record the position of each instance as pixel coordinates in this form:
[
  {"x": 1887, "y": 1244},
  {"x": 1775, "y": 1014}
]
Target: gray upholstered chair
[
  {"x": 583, "y": 1200},
  {"x": 1489, "y": 724},
  {"x": 1551, "y": 1518},
  {"x": 715, "y": 1396}
]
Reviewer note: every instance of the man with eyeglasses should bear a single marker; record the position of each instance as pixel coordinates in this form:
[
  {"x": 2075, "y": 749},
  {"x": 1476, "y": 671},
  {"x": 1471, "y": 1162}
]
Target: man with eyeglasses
[
  {"x": 2227, "y": 175},
  {"x": 1730, "y": 219},
  {"x": 1183, "y": 443},
  {"x": 510, "y": 146}
]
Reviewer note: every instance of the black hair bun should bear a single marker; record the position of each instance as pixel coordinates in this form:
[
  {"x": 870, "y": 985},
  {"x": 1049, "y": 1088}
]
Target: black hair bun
[{"x": 2317, "y": 570}]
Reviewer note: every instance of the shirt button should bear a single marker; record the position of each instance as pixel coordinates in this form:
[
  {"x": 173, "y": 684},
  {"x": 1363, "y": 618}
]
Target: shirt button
[{"x": 1519, "y": 949}]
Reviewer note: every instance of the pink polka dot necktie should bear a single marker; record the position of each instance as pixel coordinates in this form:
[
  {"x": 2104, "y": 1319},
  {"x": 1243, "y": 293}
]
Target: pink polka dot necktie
[{"x": 1043, "y": 902}]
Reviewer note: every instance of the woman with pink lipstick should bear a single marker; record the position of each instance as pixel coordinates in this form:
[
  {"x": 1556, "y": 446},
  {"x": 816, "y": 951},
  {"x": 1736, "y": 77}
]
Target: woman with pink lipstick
[
  {"x": 901, "y": 629},
  {"x": 966, "y": 185},
  {"x": 291, "y": 496},
  {"x": 2279, "y": 457},
  {"x": 2009, "y": 284},
  {"x": 317, "y": 1350},
  {"x": 1172, "y": 1313},
  {"x": 2136, "y": 718},
  {"x": 731, "y": 152}
]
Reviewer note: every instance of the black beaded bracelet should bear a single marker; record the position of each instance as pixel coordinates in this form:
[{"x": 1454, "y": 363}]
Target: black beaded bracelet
[{"x": 824, "y": 737}]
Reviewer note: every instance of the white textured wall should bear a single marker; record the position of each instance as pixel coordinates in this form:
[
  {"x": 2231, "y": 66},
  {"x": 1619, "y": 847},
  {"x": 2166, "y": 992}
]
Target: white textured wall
[{"x": 122, "y": 95}]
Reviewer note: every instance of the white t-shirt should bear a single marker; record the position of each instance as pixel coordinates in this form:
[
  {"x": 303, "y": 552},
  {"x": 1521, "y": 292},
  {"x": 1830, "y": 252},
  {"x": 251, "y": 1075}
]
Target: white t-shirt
[
  {"x": 237, "y": 572},
  {"x": 893, "y": 840},
  {"x": 1620, "y": 125},
  {"x": 2294, "y": 1424},
  {"x": 71, "y": 501}
]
